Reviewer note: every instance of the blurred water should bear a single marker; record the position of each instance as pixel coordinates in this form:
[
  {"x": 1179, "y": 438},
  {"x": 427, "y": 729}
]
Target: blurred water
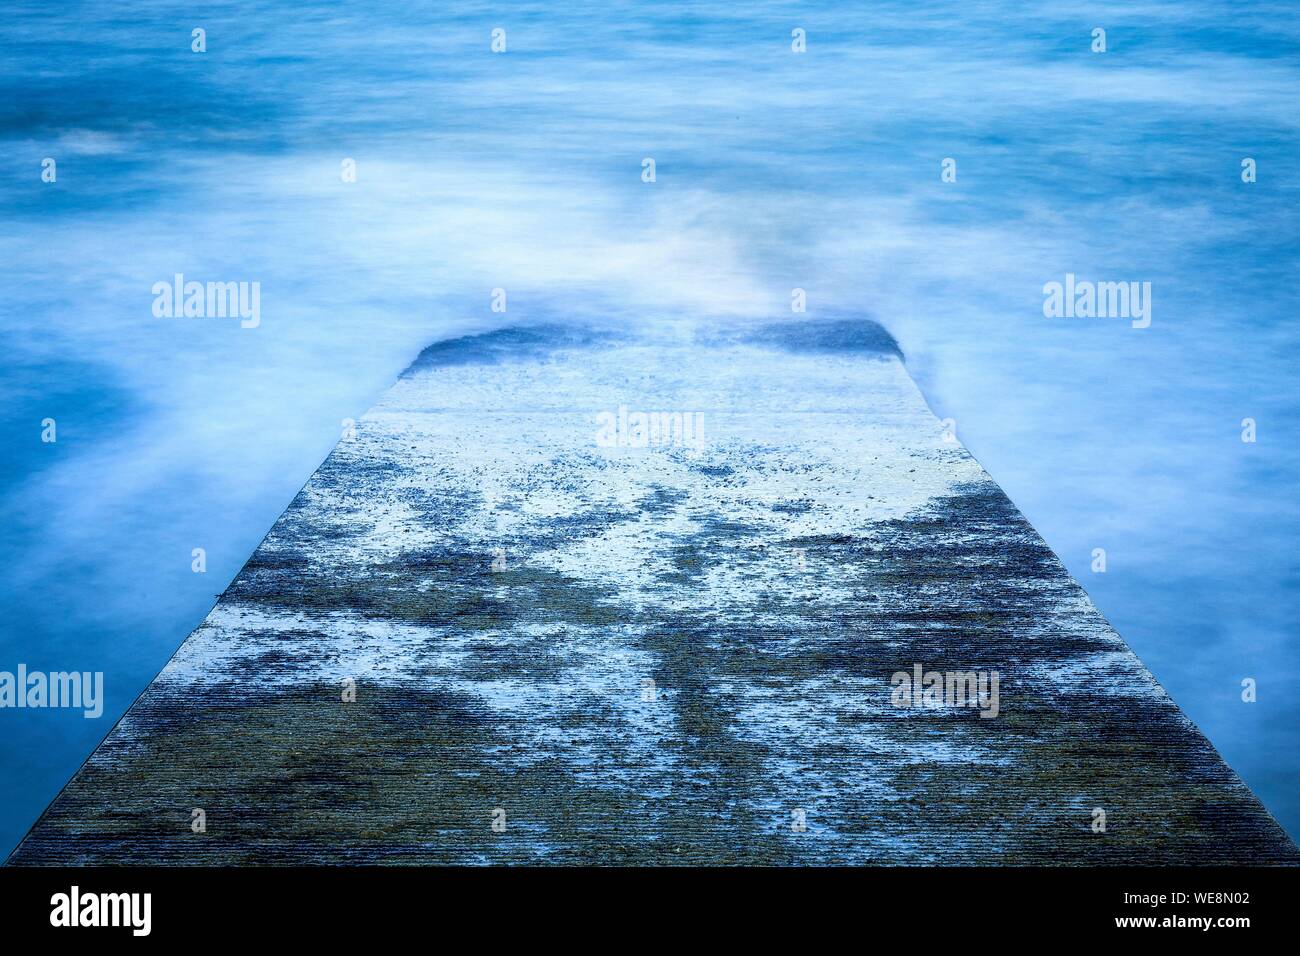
[{"x": 522, "y": 171}]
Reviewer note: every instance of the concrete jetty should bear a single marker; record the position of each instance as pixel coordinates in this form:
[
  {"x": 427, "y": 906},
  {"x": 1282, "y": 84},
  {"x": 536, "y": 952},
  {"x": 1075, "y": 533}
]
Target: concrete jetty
[{"x": 571, "y": 595}]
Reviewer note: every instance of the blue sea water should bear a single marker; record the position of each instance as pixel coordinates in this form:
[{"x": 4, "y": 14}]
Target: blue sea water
[{"x": 774, "y": 170}]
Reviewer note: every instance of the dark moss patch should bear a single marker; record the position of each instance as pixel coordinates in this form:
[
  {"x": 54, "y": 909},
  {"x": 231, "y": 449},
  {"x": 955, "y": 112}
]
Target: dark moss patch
[
  {"x": 519, "y": 343},
  {"x": 861, "y": 336},
  {"x": 433, "y": 588}
]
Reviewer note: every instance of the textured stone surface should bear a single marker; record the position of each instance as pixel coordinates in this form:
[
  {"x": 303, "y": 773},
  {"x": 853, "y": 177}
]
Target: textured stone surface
[{"x": 825, "y": 536}]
